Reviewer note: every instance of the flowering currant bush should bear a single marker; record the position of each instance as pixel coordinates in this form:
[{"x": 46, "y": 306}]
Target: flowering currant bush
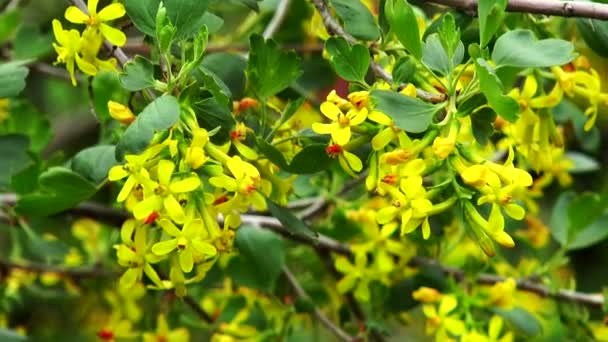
[{"x": 383, "y": 170}]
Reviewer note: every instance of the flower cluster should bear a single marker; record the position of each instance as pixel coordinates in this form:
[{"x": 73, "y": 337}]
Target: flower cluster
[{"x": 81, "y": 49}]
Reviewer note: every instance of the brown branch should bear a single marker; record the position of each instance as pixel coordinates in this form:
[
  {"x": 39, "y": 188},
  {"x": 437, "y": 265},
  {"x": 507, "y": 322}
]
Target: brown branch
[
  {"x": 579, "y": 9},
  {"x": 324, "y": 243},
  {"x": 301, "y": 293},
  {"x": 333, "y": 27},
  {"x": 197, "y": 309},
  {"x": 74, "y": 272}
]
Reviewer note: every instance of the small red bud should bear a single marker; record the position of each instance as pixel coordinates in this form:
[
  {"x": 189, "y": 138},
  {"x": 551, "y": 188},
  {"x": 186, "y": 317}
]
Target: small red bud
[{"x": 151, "y": 218}]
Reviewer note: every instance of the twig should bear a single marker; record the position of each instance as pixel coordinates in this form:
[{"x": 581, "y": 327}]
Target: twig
[
  {"x": 116, "y": 217},
  {"x": 277, "y": 19},
  {"x": 140, "y": 48},
  {"x": 579, "y": 9},
  {"x": 54, "y": 72},
  {"x": 75, "y": 272},
  {"x": 300, "y": 292},
  {"x": 116, "y": 51},
  {"x": 333, "y": 27},
  {"x": 197, "y": 309}
]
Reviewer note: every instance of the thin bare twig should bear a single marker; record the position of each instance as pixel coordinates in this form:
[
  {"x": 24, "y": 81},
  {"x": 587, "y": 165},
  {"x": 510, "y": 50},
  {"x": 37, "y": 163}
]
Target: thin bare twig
[
  {"x": 333, "y": 27},
  {"x": 324, "y": 243},
  {"x": 276, "y": 21},
  {"x": 300, "y": 292},
  {"x": 74, "y": 272},
  {"x": 581, "y": 9}
]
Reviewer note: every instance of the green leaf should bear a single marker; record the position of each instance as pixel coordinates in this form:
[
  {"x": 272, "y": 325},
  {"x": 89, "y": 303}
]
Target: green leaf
[
  {"x": 291, "y": 222},
  {"x": 492, "y": 88},
  {"x": 94, "y": 162},
  {"x": 212, "y": 22},
  {"x": 12, "y": 78},
  {"x": 186, "y": 15},
  {"x": 106, "y": 87},
  {"x": 409, "y": 113},
  {"x": 582, "y": 211},
  {"x": 449, "y": 35},
  {"x": 358, "y": 21},
  {"x": 582, "y": 162},
  {"x": 436, "y": 57},
  {"x": 9, "y": 22},
  {"x": 60, "y": 189},
  {"x": 290, "y": 110},
  {"x": 471, "y": 104},
  {"x": 157, "y": 116},
  {"x": 265, "y": 251},
  {"x": 521, "y": 319},
  {"x": 595, "y": 34},
  {"x": 138, "y": 74},
  {"x": 559, "y": 217},
  {"x": 26, "y": 119},
  {"x": 230, "y": 68},
  {"x": 29, "y": 42},
  {"x": 216, "y": 87},
  {"x": 210, "y": 115},
  {"x": 270, "y": 69},
  {"x": 252, "y": 4},
  {"x": 311, "y": 159},
  {"x": 519, "y": 48},
  {"x": 404, "y": 70},
  {"x": 481, "y": 122},
  {"x": 351, "y": 63},
  {"x": 13, "y": 149},
  {"x": 591, "y": 234},
  {"x": 143, "y": 15},
  {"x": 491, "y": 14},
  {"x": 403, "y": 23}
]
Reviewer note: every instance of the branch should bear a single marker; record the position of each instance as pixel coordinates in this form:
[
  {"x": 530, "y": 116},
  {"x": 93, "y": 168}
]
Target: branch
[
  {"x": 341, "y": 334},
  {"x": 117, "y": 217},
  {"x": 116, "y": 51},
  {"x": 333, "y": 27},
  {"x": 548, "y": 7},
  {"x": 75, "y": 272},
  {"x": 197, "y": 309},
  {"x": 276, "y": 21}
]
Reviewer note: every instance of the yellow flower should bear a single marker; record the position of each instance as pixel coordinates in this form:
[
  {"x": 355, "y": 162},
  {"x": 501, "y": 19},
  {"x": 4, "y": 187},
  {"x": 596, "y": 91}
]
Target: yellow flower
[
  {"x": 348, "y": 161},
  {"x": 494, "y": 330},
  {"x": 440, "y": 322},
  {"x": 502, "y": 293},
  {"x": 245, "y": 183},
  {"x": 98, "y": 20},
  {"x": 134, "y": 170},
  {"x": 189, "y": 240},
  {"x": 340, "y": 127},
  {"x": 426, "y": 295},
  {"x": 133, "y": 253},
  {"x": 164, "y": 334},
  {"x": 195, "y": 154},
  {"x": 68, "y": 51},
  {"x": 165, "y": 192},
  {"x": 409, "y": 205},
  {"x": 120, "y": 113},
  {"x": 237, "y": 136},
  {"x": 355, "y": 276},
  {"x": 3, "y": 110}
]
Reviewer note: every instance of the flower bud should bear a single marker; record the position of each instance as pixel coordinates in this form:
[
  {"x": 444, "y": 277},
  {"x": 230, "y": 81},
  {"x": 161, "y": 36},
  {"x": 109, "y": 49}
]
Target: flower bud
[
  {"x": 120, "y": 113},
  {"x": 426, "y": 295}
]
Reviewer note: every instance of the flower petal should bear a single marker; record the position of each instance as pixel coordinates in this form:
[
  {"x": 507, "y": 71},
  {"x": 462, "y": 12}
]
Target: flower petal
[
  {"x": 144, "y": 208},
  {"x": 164, "y": 247},
  {"x": 126, "y": 189},
  {"x": 165, "y": 171},
  {"x": 330, "y": 110},
  {"x": 169, "y": 227},
  {"x": 111, "y": 12},
  {"x": 341, "y": 135},
  {"x": 75, "y": 15},
  {"x": 174, "y": 209},
  {"x": 185, "y": 185},
  {"x": 186, "y": 261},
  {"x": 204, "y": 248},
  {"x": 114, "y": 36}
]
